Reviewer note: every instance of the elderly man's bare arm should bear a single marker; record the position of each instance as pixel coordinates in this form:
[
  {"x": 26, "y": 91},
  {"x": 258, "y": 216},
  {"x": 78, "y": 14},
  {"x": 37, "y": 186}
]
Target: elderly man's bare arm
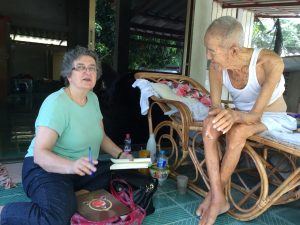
[
  {"x": 215, "y": 82},
  {"x": 269, "y": 70}
]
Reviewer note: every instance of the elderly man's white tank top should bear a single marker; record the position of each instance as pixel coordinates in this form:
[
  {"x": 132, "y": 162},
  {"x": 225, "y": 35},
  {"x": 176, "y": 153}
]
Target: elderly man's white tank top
[{"x": 244, "y": 99}]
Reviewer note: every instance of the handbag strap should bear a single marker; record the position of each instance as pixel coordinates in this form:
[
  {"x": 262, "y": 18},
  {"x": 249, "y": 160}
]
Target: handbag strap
[{"x": 125, "y": 195}]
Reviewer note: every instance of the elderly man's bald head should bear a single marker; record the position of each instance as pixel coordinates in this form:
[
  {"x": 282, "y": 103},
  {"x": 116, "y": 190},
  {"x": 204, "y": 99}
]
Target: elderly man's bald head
[{"x": 227, "y": 30}]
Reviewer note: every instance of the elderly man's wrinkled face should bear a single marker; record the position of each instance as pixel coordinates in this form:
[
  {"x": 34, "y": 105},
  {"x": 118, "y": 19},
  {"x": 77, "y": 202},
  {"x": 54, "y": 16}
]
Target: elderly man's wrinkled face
[{"x": 214, "y": 52}]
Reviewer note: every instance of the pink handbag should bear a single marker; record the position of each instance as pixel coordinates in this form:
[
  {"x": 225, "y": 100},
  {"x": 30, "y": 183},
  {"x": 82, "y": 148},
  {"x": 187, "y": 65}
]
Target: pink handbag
[{"x": 122, "y": 191}]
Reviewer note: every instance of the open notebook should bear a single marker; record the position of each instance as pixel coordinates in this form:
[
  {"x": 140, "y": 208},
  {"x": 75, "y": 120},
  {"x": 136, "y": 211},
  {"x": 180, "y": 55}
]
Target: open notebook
[{"x": 137, "y": 163}]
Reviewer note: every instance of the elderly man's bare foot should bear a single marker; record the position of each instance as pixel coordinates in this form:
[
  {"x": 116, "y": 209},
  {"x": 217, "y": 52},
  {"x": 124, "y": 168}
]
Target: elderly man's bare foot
[
  {"x": 215, "y": 208},
  {"x": 204, "y": 205}
]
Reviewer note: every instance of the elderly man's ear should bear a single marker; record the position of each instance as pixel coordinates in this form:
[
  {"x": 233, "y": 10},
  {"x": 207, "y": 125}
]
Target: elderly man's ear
[{"x": 235, "y": 50}]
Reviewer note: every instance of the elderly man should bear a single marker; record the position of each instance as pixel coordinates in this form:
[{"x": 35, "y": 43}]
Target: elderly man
[{"x": 255, "y": 82}]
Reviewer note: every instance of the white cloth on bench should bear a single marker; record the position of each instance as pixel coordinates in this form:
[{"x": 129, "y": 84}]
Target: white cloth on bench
[
  {"x": 146, "y": 92},
  {"x": 291, "y": 139},
  {"x": 281, "y": 128},
  {"x": 279, "y": 121}
]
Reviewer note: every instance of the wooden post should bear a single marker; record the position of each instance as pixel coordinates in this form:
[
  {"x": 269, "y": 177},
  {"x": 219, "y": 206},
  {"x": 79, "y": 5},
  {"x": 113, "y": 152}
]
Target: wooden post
[{"x": 4, "y": 37}]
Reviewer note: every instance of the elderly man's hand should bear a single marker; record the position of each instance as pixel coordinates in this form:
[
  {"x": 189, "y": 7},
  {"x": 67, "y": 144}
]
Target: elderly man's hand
[{"x": 224, "y": 119}]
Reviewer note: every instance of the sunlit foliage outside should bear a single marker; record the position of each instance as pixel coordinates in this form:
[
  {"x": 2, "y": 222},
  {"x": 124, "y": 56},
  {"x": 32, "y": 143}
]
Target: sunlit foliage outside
[
  {"x": 145, "y": 53},
  {"x": 264, "y": 35},
  {"x": 154, "y": 53}
]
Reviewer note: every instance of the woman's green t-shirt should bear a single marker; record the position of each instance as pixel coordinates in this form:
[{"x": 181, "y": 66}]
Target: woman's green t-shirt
[{"x": 78, "y": 127}]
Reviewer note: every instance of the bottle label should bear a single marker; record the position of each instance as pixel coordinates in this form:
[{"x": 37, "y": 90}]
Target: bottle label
[
  {"x": 127, "y": 143},
  {"x": 127, "y": 148},
  {"x": 161, "y": 163}
]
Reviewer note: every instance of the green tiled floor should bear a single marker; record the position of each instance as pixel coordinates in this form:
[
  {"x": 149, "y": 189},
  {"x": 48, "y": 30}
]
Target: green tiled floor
[
  {"x": 12, "y": 195},
  {"x": 175, "y": 209},
  {"x": 172, "y": 208}
]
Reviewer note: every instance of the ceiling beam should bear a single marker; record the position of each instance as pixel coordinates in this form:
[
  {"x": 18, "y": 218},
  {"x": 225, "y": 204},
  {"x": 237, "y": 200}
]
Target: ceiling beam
[
  {"x": 176, "y": 38},
  {"x": 156, "y": 29},
  {"x": 276, "y": 16},
  {"x": 258, "y": 5}
]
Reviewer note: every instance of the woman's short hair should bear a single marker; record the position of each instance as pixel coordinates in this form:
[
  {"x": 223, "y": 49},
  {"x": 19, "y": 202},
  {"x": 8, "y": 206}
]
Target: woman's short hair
[
  {"x": 229, "y": 29},
  {"x": 74, "y": 54}
]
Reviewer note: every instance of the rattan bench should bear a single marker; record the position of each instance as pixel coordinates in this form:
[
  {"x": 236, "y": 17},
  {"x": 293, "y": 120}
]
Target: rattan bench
[{"x": 266, "y": 175}]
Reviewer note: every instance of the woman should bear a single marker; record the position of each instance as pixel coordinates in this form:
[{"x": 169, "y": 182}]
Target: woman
[{"x": 69, "y": 128}]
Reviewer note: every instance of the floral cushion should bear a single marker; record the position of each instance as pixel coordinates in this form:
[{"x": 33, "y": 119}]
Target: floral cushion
[
  {"x": 183, "y": 93},
  {"x": 184, "y": 89},
  {"x": 5, "y": 180},
  {"x": 164, "y": 91}
]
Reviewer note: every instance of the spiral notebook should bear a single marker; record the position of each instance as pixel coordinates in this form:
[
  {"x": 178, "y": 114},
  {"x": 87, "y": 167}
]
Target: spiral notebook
[{"x": 100, "y": 205}]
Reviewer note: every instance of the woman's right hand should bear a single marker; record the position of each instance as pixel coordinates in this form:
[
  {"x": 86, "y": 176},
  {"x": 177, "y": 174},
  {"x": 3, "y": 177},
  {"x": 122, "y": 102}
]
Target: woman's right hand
[{"x": 83, "y": 167}]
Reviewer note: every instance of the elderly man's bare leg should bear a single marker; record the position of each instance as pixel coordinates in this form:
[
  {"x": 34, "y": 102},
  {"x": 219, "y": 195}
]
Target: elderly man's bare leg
[
  {"x": 215, "y": 195},
  {"x": 210, "y": 138},
  {"x": 216, "y": 203},
  {"x": 235, "y": 142}
]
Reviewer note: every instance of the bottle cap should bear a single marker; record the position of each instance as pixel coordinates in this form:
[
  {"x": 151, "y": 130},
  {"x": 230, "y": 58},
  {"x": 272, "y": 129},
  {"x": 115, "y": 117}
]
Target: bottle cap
[
  {"x": 127, "y": 135},
  {"x": 162, "y": 151}
]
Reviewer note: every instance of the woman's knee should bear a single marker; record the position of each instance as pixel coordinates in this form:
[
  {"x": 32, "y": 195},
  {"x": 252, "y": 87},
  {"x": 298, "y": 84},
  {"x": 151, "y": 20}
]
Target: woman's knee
[
  {"x": 60, "y": 214},
  {"x": 34, "y": 214},
  {"x": 55, "y": 205}
]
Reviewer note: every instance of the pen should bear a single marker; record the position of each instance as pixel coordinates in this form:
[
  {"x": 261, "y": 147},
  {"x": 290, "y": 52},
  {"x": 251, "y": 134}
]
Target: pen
[{"x": 90, "y": 157}]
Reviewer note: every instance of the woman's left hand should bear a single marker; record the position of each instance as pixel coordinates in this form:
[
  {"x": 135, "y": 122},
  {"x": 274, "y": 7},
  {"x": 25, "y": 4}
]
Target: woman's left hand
[{"x": 126, "y": 155}]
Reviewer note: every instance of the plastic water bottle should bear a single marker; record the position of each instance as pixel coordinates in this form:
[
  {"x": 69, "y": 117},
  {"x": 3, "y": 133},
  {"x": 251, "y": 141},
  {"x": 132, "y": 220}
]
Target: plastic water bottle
[
  {"x": 162, "y": 160},
  {"x": 151, "y": 147},
  {"x": 127, "y": 143}
]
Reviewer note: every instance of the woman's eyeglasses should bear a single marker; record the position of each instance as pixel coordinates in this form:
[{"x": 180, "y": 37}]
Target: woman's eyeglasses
[{"x": 83, "y": 68}]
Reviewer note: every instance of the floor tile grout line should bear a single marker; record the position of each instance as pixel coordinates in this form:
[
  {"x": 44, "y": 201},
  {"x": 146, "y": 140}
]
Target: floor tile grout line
[
  {"x": 179, "y": 221},
  {"x": 11, "y": 196},
  {"x": 277, "y": 217},
  {"x": 181, "y": 206}
]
